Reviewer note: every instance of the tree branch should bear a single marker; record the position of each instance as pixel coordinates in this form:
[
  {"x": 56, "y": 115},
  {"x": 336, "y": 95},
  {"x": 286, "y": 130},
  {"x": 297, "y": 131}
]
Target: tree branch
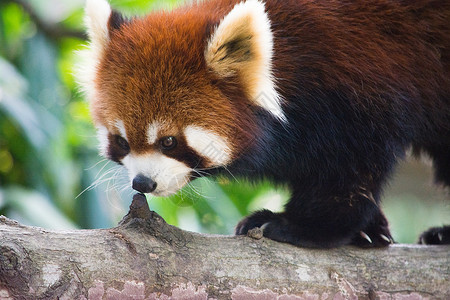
[
  {"x": 54, "y": 31},
  {"x": 145, "y": 258}
]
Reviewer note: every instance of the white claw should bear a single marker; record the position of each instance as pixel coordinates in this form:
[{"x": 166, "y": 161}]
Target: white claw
[
  {"x": 365, "y": 236},
  {"x": 263, "y": 226},
  {"x": 386, "y": 238},
  {"x": 440, "y": 236}
]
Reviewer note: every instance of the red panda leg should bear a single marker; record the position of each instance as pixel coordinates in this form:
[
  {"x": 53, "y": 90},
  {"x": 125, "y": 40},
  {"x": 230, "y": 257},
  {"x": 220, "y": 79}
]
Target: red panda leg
[
  {"x": 441, "y": 163},
  {"x": 358, "y": 222},
  {"x": 436, "y": 236}
]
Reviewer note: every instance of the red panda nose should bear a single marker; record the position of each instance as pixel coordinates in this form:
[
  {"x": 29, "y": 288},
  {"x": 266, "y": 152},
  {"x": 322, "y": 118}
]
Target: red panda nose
[{"x": 143, "y": 184}]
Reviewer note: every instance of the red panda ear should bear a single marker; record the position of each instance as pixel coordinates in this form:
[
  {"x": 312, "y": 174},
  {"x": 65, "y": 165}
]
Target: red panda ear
[
  {"x": 100, "y": 21},
  {"x": 242, "y": 45},
  {"x": 116, "y": 20},
  {"x": 98, "y": 13},
  {"x": 97, "y": 16}
]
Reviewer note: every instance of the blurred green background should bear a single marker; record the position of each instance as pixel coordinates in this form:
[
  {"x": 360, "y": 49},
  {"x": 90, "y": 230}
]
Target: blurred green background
[{"x": 51, "y": 175}]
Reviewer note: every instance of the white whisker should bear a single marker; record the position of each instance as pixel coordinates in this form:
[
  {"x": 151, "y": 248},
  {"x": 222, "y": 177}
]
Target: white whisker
[
  {"x": 97, "y": 163},
  {"x": 105, "y": 177}
]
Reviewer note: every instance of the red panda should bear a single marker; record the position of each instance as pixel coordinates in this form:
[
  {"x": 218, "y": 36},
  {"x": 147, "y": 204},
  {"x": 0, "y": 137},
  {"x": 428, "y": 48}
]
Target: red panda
[{"x": 321, "y": 96}]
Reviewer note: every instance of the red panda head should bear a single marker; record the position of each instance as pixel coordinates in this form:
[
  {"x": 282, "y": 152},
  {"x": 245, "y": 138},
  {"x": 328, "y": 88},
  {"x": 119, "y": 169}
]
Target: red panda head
[{"x": 174, "y": 93}]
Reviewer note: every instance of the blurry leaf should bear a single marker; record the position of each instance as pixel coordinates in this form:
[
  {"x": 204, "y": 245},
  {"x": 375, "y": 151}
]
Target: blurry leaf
[
  {"x": 15, "y": 26},
  {"x": 271, "y": 199},
  {"x": 55, "y": 11},
  {"x": 139, "y": 7},
  {"x": 242, "y": 192},
  {"x": 188, "y": 219},
  {"x": 165, "y": 208},
  {"x": 76, "y": 19},
  {"x": 33, "y": 208},
  {"x": 222, "y": 206},
  {"x": 2, "y": 200},
  {"x": 68, "y": 59},
  {"x": 12, "y": 91},
  {"x": 11, "y": 81},
  {"x": 6, "y": 161},
  {"x": 38, "y": 66},
  {"x": 409, "y": 216}
]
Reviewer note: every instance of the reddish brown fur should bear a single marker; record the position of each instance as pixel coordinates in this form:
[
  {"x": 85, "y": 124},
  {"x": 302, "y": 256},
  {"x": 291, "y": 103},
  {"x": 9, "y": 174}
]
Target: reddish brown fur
[
  {"x": 154, "y": 69},
  {"x": 338, "y": 44},
  {"x": 163, "y": 54}
]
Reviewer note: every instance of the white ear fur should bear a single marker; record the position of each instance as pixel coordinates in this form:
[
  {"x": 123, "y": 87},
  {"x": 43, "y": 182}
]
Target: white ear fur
[
  {"x": 97, "y": 17},
  {"x": 242, "y": 44},
  {"x": 96, "y": 20}
]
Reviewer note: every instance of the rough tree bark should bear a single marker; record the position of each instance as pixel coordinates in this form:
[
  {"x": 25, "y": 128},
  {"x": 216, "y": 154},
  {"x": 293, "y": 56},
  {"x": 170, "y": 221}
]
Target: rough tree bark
[{"x": 145, "y": 258}]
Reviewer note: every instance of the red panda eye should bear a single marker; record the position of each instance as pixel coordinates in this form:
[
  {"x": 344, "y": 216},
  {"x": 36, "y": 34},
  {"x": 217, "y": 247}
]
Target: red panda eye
[
  {"x": 168, "y": 142},
  {"x": 122, "y": 143}
]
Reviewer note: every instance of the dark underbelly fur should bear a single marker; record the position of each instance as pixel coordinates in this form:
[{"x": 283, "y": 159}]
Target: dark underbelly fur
[{"x": 336, "y": 160}]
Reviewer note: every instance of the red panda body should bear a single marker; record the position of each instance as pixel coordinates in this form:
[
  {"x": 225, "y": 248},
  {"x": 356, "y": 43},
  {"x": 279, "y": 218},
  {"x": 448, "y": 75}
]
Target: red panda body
[{"x": 322, "y": 96}]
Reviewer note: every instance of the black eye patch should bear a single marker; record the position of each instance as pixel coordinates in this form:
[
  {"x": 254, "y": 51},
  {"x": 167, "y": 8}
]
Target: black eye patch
[
  {"x": 182, "y": 152},
  {"x": 122, "y": 143},
  {"x": 118, "y": 148}
]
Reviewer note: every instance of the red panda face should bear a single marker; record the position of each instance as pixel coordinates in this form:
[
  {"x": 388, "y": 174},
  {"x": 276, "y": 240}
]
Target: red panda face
[
  {"x": 168, "y": 144},
  {"x": 160, "y": 114},
  {"x": 172, "y": 94}
]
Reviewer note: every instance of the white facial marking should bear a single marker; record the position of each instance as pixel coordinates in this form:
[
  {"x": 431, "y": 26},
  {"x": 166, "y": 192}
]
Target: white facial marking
[
  {"x": 169, "y": 174},
  {"x": 250, "y": 18},
  {"x": 121, "y": 127},
  {"x": 152, "y": 132},
  {"x": 102, "y": 135},
  {"x": 208, "y": 144}
]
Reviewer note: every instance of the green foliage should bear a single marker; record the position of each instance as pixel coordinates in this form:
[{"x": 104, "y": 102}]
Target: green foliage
[
  {"x": 45, "y": 131},
  {"x": 50, "y": 172}
]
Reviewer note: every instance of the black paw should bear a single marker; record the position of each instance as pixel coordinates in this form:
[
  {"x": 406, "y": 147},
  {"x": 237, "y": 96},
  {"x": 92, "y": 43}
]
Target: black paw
[
  {"x": 278, "y": 227},
  {"x": 375, "y": 235},
  {"x": 436, "y": 236},
  {"x": 255, "y": 220},
  {"x": 274, "y": 226}
]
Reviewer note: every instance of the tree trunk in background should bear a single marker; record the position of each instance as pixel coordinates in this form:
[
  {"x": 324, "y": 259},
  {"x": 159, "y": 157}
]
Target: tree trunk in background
[{"x": 145, "y": 258}]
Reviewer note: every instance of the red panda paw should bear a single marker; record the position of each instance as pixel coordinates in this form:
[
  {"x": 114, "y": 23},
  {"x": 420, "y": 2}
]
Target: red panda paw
[
  {"x": 436, "y": 236},
  {"x": 375, "y": 235},
  {"x": 283, "y": 228},
  {"x": 256, "y": 220},
  {"x": 279, "y": 227}
]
